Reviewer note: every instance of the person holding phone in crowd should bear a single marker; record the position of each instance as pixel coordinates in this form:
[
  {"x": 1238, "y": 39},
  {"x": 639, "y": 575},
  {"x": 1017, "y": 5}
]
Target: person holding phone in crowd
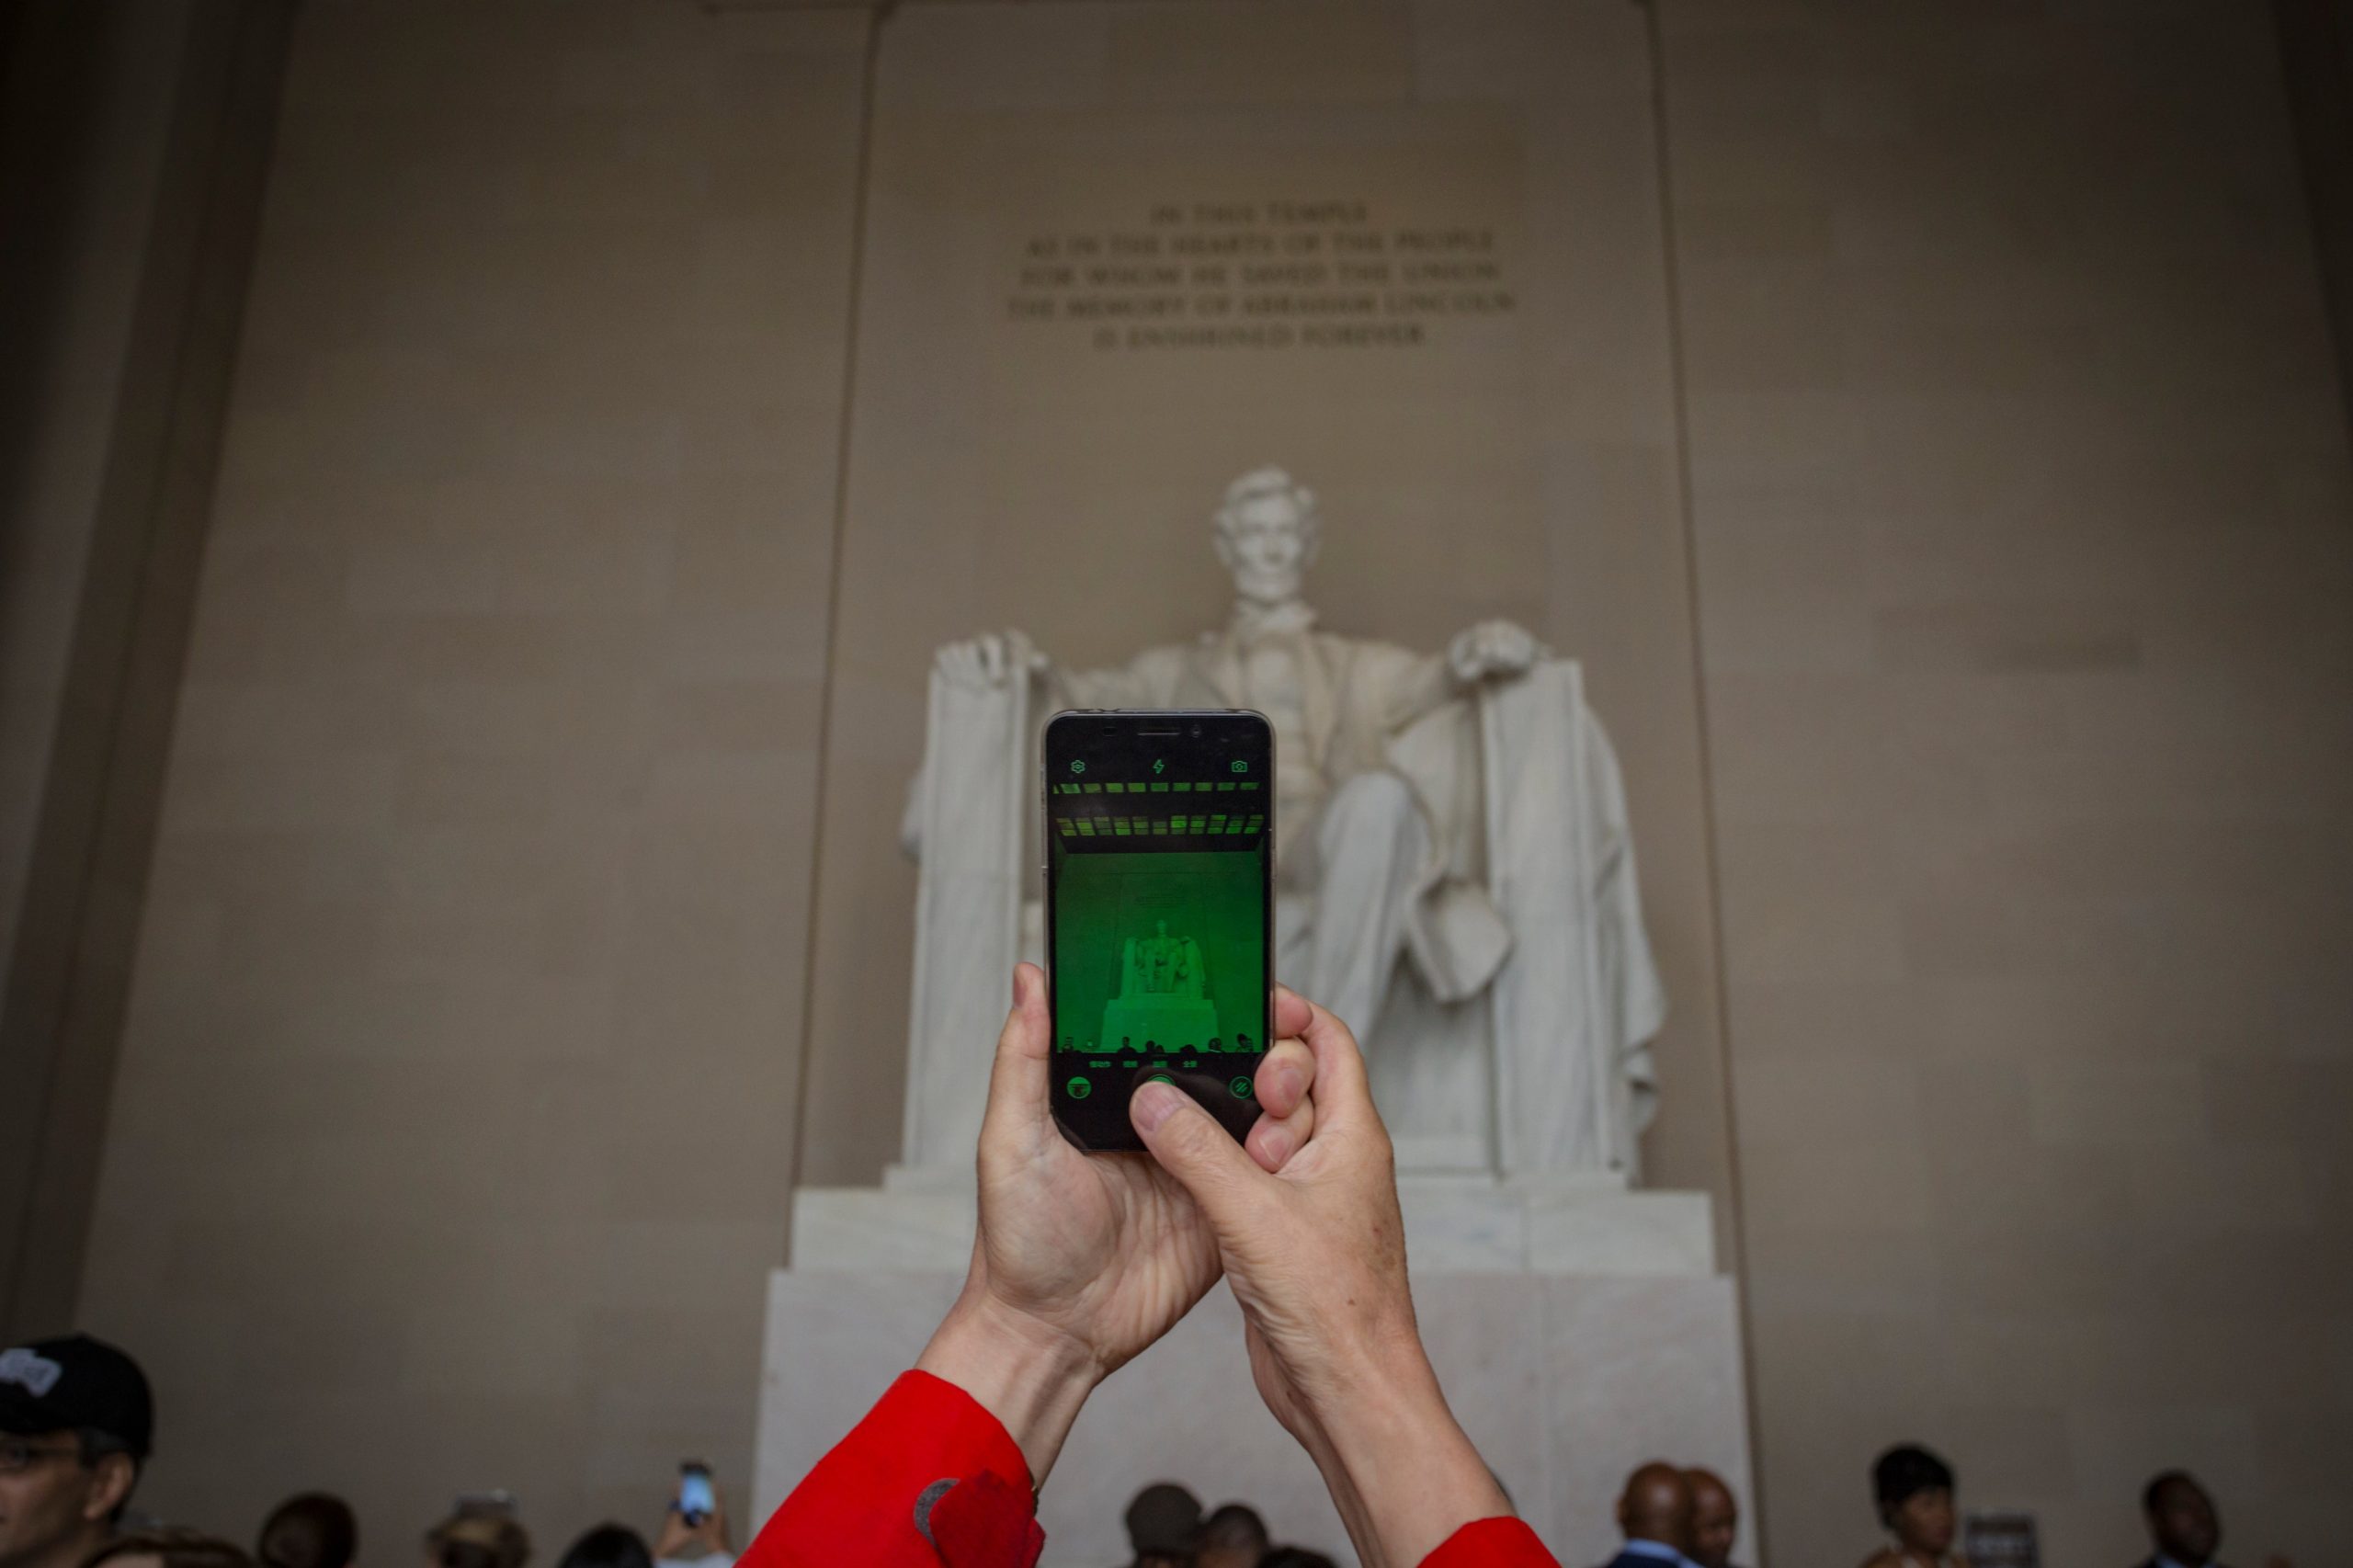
[
  {"x": 1082, "y": 1261},
  {"x": 694, "y": 1529}
]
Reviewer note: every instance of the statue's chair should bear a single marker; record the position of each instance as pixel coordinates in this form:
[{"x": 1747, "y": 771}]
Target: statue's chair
[{"x": 1541, "y": 1072}]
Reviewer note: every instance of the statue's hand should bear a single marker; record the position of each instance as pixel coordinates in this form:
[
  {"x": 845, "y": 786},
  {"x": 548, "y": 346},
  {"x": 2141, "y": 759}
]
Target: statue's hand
[
  {"x": 990, "y": 660},
  {"x": 1492, "y": 648}
]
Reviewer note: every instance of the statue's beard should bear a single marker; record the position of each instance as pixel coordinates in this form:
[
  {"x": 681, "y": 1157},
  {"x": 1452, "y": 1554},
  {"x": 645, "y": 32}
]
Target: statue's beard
[{"x": 1269, "y": 586}]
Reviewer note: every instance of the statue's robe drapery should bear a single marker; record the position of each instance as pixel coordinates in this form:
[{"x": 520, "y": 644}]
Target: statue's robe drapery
[
  {"x": 1355, "y": 698},
  {"x": 1523, "y": 935}
]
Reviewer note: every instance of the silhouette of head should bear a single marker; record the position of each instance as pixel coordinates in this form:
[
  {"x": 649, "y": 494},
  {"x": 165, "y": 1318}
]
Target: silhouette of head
[
  {"x": 1657, "y": 1506},
  {"x": 2182, "y": 1520},
  {"x": 313, "y": 1529},
  {"x": 1164, "y": 1523},
  {"x": 1715, "y": 1518},
  {"x": 1233, "y": 1537},
  {"x": 1913, "y": 1489}
]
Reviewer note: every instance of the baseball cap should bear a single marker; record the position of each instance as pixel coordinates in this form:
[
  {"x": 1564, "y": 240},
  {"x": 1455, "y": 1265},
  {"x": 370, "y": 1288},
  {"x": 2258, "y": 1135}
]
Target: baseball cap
[{"x": 75, "y": 1383}]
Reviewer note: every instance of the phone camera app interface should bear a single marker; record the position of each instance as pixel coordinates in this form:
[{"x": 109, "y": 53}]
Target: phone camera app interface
[{"x": 1160, "y": 958}]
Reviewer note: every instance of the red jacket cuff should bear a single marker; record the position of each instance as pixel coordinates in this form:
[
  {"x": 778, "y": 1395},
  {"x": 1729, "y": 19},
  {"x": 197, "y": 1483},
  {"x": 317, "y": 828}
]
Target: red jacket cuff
[
  {"x": 1491, "y": 1543},
  {"x": 862, "y": 1504},
  {"x": 934, "y": 1411}
]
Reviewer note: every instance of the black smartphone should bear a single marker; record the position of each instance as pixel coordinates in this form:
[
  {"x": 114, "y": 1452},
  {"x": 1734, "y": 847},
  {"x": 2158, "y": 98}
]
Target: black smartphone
[{"x": 1160, "y": 838}]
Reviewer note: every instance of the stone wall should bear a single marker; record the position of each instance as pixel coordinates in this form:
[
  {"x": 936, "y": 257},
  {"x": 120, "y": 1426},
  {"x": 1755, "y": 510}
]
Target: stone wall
[
  {"x": 455, "y": 1119},
  {"x": 2020, "y": 497},
  {"x": 461, "y": 1091}
]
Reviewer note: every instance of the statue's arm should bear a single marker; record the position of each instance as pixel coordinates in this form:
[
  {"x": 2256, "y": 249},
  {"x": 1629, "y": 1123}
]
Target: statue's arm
[
  {"x": 980, "y": 666},
  {"x": 1420, "y": 685}
]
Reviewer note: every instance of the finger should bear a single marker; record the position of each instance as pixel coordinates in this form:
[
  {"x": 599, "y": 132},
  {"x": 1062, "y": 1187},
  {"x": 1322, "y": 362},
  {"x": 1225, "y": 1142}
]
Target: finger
[
  {"x": 1200, "y": 1154},
  {"x": 1017, "y": 1079},
  {"x": 1283, "y": 1078},
  {"x": 1341, "y": 1087},
  {"x": 1292, "y": 1013},
  {"x": 1274, "y": 1139}
]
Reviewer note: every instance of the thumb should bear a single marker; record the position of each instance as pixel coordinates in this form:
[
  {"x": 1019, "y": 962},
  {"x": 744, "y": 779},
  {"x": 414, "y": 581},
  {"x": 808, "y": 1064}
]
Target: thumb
[
  {"x": 1193, "y": 1148},
  {"x": 1018, "y": 1080}
]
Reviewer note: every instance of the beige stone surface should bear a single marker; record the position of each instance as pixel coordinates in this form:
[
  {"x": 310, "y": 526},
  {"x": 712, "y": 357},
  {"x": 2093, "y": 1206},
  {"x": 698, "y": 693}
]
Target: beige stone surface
[
  {"x": 454, "y": 1123},
  {"x": 115, "y": 356},
  {"x": 456, "y": 1109},
  {"x": 1566, "y": 1382},
  {"x": 2019, "y": 499},
  {"x": 1009, "y": 473}
]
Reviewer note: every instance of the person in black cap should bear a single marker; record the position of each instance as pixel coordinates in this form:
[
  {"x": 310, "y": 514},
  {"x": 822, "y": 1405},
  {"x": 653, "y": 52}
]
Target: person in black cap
[
  {"x": 75, "y": 1422},
  {"x": 1164, "y": 1526}
]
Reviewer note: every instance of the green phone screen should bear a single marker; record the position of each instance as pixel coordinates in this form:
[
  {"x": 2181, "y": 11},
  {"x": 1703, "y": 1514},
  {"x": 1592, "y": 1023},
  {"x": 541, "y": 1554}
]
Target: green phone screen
[{"x": 1157, "y": 864}]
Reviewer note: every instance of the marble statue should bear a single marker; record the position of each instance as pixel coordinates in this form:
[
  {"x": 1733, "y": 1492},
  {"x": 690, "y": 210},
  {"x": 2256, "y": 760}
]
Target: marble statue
[
  {"x": 1161, "y": 1005},
  {"x": 1454, "y": 872},
  {"x": 1163, "y": 963}
]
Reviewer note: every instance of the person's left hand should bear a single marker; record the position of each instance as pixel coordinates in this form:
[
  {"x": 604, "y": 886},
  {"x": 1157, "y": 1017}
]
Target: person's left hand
[{"x": 1081, "y": 1260}]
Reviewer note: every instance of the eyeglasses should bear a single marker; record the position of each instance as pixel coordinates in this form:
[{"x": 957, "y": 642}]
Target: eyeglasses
[{"x": 17, "y": 1457}]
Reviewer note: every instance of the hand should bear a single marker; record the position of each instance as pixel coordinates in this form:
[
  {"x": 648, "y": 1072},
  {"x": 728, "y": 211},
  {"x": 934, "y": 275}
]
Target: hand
[
  {"x": 679, "y": 1538},
  {"x": 990, "y": 660},
  {"x": 1315, "y": 1253},
  {"x": 1492, "y": 648},
  {"x": 1081, "y": 1260}
]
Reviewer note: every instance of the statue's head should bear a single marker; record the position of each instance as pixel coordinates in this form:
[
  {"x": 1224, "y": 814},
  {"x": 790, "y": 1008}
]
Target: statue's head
[{"x": 1266, "y": 534}]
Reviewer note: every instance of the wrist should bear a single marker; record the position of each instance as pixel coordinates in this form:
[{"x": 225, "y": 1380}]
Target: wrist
[
  {"x": 1032, "y": 1377},
  {"x": 1387, "y": 1440}
]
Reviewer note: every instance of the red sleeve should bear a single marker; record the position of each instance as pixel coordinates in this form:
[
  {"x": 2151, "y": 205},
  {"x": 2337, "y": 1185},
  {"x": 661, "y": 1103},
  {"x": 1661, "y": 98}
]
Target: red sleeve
[
  {"x": 860, "y": 1503},
  {"x": 1492, "y": 1543}
]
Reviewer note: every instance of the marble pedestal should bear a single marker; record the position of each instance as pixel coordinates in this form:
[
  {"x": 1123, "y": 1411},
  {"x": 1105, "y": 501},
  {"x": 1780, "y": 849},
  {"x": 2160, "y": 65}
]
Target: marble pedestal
[{"x": 1579, "y": 1330}]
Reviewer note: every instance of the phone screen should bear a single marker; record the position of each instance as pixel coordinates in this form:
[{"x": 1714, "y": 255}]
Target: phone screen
[
  {"x": 1159, "y": 910},
  {"x": 696, "y": 1501}
]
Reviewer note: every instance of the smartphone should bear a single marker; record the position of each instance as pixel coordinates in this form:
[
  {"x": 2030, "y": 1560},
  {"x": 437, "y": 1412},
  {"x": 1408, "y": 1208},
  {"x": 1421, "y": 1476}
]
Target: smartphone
[
  {"x": 696, "y": 1501},
  {"x": 1160, "y": 837}
]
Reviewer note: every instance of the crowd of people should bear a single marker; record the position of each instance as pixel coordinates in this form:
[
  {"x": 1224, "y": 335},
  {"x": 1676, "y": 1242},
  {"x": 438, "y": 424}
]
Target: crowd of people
[
  {"x": 77, "y": 1427},
  {"x": 1688, "y": 1516},
  {"x": 1079, "y": 1266},
  {"x": 77, "y": 1422}
]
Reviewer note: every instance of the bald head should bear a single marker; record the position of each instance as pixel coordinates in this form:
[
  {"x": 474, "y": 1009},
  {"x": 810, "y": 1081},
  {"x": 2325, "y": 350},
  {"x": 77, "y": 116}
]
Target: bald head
[
  {"x": 1657, "y": 1506},
  {"x": 1715, "y": 1518}
]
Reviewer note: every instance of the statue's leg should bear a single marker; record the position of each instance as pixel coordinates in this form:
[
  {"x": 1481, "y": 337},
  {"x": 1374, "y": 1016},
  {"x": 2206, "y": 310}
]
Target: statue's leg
[{"x": 1370, "y": 847}]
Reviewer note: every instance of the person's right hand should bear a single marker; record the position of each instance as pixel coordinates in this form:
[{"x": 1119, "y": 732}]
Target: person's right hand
[
  {"x": 1080, "y": 1261},
  {"x": 1315, "y": 1253}
]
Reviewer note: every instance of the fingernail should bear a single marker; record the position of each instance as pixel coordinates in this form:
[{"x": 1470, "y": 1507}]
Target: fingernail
[
  {"x": 1154, "y": 1104},
  {"x": 1020, "y": 985},
  {"x": 1293, "y": 1082},
  {"x": 1277, "y": 1144}
]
